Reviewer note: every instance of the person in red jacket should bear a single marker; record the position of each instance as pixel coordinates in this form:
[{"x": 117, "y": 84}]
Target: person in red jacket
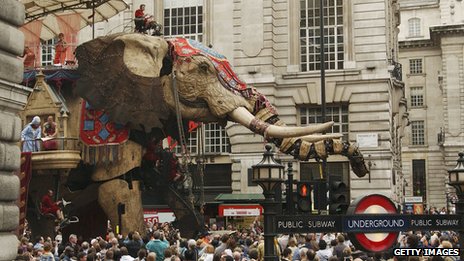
[
  {"x": 51, "y": 207},
  {"x": 140, "y": 19}
]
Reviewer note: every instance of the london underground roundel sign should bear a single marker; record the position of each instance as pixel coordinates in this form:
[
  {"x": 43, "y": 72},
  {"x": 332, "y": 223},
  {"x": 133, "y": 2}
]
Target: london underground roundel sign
[{"x": 373, "y": 204}]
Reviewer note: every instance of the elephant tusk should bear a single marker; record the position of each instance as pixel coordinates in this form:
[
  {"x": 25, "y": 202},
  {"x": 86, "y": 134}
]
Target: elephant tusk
[
  {"x": 314, "y": 138},
  {"x": 244, "y": 117}
]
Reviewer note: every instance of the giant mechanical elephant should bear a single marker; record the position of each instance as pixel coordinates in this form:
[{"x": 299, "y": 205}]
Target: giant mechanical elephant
[{"x": 138, "y": 80}]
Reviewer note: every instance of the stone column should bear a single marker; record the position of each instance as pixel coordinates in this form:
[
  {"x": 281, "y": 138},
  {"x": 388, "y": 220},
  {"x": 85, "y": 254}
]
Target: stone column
[{"x": 12, "y": 99}]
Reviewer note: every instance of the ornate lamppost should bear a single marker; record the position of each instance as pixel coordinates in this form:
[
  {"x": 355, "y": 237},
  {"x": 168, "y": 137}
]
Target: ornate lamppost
[
  {"x": 456, "y": 179},
  {"x": 268, "y": 174}
]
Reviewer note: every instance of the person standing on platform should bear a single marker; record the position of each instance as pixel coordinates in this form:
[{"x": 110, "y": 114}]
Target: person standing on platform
[
  {"x": 30, "y": 136},
  {"x": 60, "y": 51}
]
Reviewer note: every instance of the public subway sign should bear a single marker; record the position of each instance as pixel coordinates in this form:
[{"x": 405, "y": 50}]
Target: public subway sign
[
  {"x": 396, "y": 222},
  {"x": 372, "y": 223},
  {"x": 367, "y": 223},
  {"x": 308, "y": 224}
]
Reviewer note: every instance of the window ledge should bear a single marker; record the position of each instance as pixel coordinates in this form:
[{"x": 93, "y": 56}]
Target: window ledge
[
  {"x": 317, "y": 74},
  {"x": 415, "y": 37},
  {"x": 419, "y": 107},
  {"x": 418, "y": 146},
  {"x": 415, "y": 74}
]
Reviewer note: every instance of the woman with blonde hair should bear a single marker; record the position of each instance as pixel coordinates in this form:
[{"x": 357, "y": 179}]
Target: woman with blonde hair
[{"x": 208, "y": 254}]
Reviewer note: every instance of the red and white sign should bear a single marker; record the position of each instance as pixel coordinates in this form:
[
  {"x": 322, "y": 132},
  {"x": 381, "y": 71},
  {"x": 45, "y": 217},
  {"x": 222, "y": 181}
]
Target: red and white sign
[
  {"x": 155, "y": 216},
  {"x": 240, "y": 210},
  {"x": 373, "y": 204}
]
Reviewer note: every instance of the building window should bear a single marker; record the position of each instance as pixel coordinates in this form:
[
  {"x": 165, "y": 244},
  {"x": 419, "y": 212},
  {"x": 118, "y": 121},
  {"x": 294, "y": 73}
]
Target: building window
[
  {"x": 414, "y": 27},
  {"x": 417, "y": 96},
  {"x": 336, "y": 113},
  {"x": 192, "y": 143},
  {"x": 184, "y": 18},
  {"x": 310, "y": 171},
  {"x": 48, "y": 52},
  {"x": 309, "y": 35},
  {"x": 418, "y": 179},
  {"x": 417, "y": 133},
  {"x": 415, "y": 66},
  {"x": 216, "y": 140}
]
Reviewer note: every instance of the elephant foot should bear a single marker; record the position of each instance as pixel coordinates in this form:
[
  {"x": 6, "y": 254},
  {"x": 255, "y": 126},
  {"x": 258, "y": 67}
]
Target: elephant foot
[{"x": 115, "y": 193}]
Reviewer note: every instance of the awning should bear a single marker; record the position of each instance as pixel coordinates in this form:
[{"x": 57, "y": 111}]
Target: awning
[
  {"x": 53, "y": 15},
  {"x": 239, "y": 197}
]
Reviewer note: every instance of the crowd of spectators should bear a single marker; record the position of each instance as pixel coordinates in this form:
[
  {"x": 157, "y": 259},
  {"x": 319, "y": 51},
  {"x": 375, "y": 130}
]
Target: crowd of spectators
[{"x": 164, "y": 243}]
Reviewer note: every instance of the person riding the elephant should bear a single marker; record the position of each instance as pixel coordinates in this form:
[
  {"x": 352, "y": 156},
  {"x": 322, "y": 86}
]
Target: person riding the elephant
[
  {"x": 140, "y": 19},
  {"x": 158, "y": 156},
  {"x": 50, "y": 207}
]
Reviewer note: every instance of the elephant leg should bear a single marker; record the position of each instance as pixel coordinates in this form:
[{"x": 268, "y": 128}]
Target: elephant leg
[
  {"x": 116, "y": 191},
  {"x": 301, "y": 149}
]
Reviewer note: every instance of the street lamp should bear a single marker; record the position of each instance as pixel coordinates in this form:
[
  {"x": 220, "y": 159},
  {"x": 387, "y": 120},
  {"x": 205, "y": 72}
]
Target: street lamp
[
  {"x": 456, "y": 179},
  {"x": 268, "y": 174}
]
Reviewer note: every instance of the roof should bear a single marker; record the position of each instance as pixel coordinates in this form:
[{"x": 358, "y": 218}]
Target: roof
[{"x": 239, "y": 197}]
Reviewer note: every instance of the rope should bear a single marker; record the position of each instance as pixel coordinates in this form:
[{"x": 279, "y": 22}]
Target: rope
[
  {"x": 180, "y": 126},
  {"x": 183, "y": 140},
  {"x": 201, "y": 163}
]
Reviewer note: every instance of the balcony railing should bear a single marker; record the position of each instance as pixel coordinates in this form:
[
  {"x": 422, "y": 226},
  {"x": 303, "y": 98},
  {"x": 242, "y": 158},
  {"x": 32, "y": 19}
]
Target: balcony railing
[
  {"x": 57, "y": 143},
  {"x": 56, "y": 153}
]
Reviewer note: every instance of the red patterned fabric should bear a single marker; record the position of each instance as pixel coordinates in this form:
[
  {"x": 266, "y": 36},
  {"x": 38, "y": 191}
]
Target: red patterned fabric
[
  {"x": 182, "y": 47},
  {"x": 188, "y": 47},
  {"x": 25, "y": 176},
  {"x": 96, "y": 128}
]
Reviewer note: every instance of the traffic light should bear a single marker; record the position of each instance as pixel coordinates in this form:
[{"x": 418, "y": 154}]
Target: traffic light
[
  {"x": 320, "y": 195},
  {"x": 304, "y": 196},
  {"x": 339, "y": 195}
]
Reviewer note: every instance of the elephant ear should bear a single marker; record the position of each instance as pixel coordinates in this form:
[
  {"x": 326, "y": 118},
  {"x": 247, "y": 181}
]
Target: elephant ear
[{"x": 121, "y": 74}]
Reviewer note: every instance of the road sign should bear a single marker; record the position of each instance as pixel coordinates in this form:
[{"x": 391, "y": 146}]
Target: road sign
[
  {"x": 367, "y": 223},
  {"x": 308, "y": 224},
  {"x": 415, "y": 199},
  {"x": 374, "y": 204},
  {"x": 372, "y": 223}
]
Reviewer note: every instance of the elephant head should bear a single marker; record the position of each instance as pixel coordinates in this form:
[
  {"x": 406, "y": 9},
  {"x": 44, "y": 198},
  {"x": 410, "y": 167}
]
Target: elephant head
[{"x": 132, "y": 77}]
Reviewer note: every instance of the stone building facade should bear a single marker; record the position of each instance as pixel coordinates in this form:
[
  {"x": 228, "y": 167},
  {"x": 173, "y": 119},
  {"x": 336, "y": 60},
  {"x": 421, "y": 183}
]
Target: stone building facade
[
  {"x": 12, "y": 99},
  {"x": 431, "y": 45},
  {"x": 274, "y": 46}
]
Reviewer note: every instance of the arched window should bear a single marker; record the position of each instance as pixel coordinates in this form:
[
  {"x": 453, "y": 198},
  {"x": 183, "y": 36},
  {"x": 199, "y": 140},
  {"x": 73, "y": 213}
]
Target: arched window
[{"x": 414, "y": 27}]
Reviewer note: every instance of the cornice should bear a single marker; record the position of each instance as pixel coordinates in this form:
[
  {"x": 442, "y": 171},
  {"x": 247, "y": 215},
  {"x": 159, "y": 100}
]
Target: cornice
[{"x": 436, "y": 32}]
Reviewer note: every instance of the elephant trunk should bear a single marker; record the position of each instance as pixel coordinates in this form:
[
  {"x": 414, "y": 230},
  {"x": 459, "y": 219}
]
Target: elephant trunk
[{"x": 301, "y": 149}]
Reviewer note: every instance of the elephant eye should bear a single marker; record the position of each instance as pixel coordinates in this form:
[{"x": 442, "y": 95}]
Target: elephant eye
[{"x": 203, "y": 67}]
